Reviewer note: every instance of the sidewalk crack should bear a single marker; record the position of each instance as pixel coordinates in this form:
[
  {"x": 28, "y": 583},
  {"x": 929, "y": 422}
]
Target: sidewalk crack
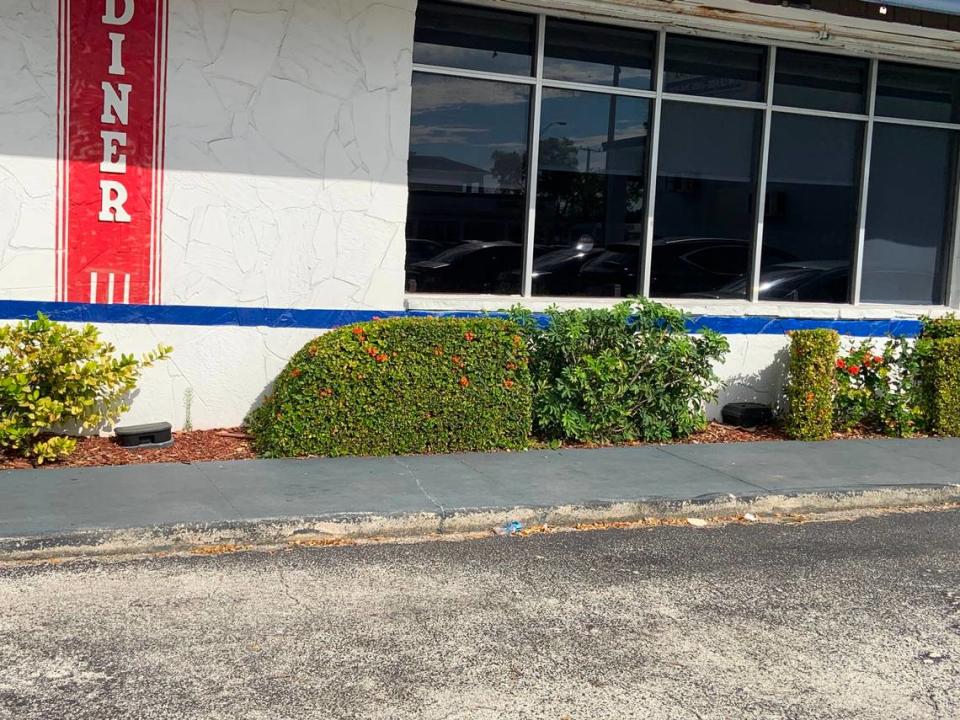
[
  {"x": 712, "y": 469},
  {"x": 416, "y": 479}
]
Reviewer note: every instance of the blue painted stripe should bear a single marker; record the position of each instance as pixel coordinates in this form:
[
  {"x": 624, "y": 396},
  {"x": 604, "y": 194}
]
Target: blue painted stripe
[{"x": 205, "y": 315}]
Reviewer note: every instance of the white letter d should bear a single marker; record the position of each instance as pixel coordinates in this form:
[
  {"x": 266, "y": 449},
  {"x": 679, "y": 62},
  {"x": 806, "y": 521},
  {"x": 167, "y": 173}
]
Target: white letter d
[{"x": 110, "y": 16}]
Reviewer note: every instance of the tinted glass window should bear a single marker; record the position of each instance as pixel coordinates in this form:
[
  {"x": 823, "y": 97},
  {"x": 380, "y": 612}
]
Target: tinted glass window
[
  {"x": 590, "y": 193},
  {"x": 822, "y": 82},
  {"x": 811, "y": 212},
  {"x": 474, "y": 38},
  {"x": 908, "y": 214},
  {"x": 698, "y": 66},
  {"x": 599, "y": 54},
  {"x": 705, "y": 200},
  {"x": 908, "y": 91},
  {"x": 467, "y": 180}
]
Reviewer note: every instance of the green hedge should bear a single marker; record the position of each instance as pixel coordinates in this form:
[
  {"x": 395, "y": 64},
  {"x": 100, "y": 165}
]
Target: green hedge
[
  {"x": 945, "y": 379},
  {"x": 404, "y": 385},
  {"x": 810, "y": 384}
]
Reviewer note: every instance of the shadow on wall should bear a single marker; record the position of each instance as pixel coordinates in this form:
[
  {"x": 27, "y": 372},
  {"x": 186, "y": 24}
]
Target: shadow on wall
[
  {"x": 763, "y": 386},
  {"x": 296, "y": 88}
]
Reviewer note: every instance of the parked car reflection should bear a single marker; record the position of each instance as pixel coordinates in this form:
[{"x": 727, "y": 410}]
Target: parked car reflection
[
  {"x": 826, "y": 281},
  {"x": 473, "y": 266},
  {"x": 681, "y": 265}
]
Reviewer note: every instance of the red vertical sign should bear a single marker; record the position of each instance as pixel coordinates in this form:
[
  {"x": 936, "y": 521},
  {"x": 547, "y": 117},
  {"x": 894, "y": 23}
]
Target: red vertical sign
[{"x": 112, "y": 80}]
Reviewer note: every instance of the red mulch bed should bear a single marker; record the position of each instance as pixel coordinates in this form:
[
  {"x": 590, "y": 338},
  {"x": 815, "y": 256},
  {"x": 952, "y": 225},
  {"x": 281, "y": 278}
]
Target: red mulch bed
[
  {"x": 234, "y": 444},
  {"x": 192, "y": 446}
]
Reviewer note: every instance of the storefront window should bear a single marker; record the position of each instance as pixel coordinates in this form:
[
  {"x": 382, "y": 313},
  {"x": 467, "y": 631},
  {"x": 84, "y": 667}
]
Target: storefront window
[
  {"x": 566, "y": 165},
  {"x": 810, "y": 222},
  {"x": 467, "y": 180},
  {"x": 909, "y": 214},
  {"x": 590, "y": 193},
  {"x": 706, "y": 190},
  {"x": 598, "y": 54},
  {"x": 714, "y": 68},
  {"x": 820, "y": 82},
  {"x": 918, "y": 93}
]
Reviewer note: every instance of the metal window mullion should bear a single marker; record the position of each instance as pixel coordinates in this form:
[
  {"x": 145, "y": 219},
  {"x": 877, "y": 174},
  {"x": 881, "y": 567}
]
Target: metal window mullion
[
  {"x": 594, "y": 88},
  {"x": 918, "y": 123},
  {"x": 856, "y": 277},
  {"x": 757, "y": 248},
  {"x": 951, "y": 288},
  {"x": 788, "y": 110},
  {"x": 709, "y": 100},
  {"x": 653, "y": 148},
  {"x": 533, "y": 160},
  {"x": 474, "y": 74}
]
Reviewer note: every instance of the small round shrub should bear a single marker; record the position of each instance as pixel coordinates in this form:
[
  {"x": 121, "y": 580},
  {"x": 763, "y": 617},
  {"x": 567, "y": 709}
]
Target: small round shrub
[{"x": 397, "y": 386}]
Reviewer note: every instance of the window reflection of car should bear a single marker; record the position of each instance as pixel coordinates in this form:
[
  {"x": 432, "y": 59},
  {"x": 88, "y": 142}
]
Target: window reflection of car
[
  {"x": 556, "y": 272},
  {"x": 419, "y": 249},
  {"x": 681, "y": 265},
  {"x": 473, "y": 266},
  {"x": 823, "y": 281}
]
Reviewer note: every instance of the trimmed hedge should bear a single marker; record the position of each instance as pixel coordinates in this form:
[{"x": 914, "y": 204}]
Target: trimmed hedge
[
  {"x": 397, "y": 386},
  {"x": 940, "y": 328},
  {"x": 945, "y": 378},
  {"x": 811, "y": 384}
]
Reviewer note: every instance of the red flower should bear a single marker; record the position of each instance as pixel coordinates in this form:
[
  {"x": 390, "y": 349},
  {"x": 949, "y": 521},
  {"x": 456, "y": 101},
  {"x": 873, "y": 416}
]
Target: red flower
[
  {"x": 464, "y": 381},
  {"x": 866, "y": 360},
  {"x": 853, "y": 370},
  {"x": 469, "y": 336},
  {"x": 878, "y": 359},
  {"x": 841, "y": 363}
]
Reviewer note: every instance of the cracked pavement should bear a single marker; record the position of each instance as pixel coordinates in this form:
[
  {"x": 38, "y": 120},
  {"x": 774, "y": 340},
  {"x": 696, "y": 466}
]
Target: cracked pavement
[{"x": 832, "y": 620}]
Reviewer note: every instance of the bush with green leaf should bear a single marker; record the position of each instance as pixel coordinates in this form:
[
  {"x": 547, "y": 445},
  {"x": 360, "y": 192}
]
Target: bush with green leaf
[
  {"x": 55, "y": 377},
  {"x": 880, "y": 390},
  {"x": 630, "y": 372},
  {"x": 944, "y": 363},
  {"x": 811, "y": 384},
  {"x": 397, "y": 386}
]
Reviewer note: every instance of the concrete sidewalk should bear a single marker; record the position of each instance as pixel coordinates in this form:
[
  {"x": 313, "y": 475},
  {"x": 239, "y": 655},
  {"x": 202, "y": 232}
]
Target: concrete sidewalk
[{"x": 454, "y": 492}]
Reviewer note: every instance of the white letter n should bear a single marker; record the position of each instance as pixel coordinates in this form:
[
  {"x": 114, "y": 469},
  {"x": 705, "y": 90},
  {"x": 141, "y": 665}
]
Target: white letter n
[{"x": 116, "y": 105}]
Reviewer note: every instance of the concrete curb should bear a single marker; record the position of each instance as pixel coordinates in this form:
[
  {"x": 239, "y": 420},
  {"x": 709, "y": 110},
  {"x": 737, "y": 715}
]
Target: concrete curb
[{"x": 272, "y": 532}]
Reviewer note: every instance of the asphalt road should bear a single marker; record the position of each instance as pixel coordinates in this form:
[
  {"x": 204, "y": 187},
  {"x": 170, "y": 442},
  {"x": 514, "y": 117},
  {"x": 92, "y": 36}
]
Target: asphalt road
[{"x": 818, "y": 620}]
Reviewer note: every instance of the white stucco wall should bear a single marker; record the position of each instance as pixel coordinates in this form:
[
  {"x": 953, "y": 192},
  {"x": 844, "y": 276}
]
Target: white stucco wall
[{"x": 287, "y": 131}]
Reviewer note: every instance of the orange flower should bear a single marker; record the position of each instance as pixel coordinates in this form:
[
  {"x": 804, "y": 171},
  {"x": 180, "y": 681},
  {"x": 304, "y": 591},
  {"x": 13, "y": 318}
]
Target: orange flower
[
  {"x": 437, "y": 350},
  {"x": 457, "y": 360},
  {"x": 809, "y": 397},
  {"x": 295, "y": 373},
  {"x": 381, "y": 358},
  {"x": 469, "y": 336},
  {"x": 511, "y": 366},
  {"x": 358, "y": 330},
  {"x": 517, "y": 339},
  {"x": 326, "y": 392},
  {"x": 464, "y": 381},
  {"x": 372, "y": 351},
  {"x": 508, "y": 383}
]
